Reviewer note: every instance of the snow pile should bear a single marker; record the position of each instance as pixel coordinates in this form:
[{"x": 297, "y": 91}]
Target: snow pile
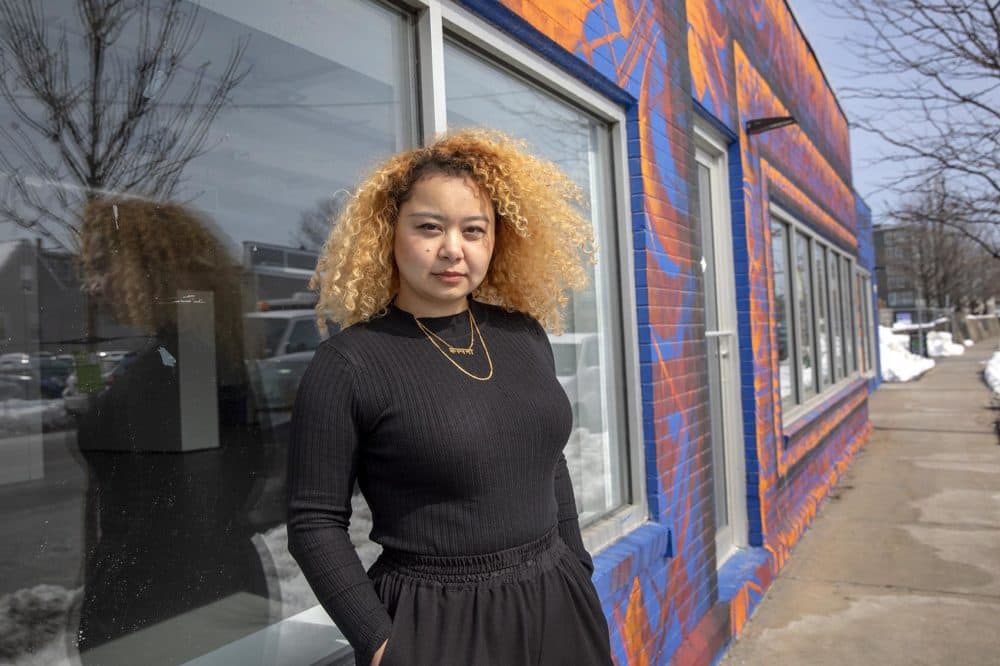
[
  {"x": 898, "y": 364},
  {"x": 969, "y": 343},
  {"x": 992, "y": 372},
  {"x": 33, "y": 623},
  {"x": 939, "y": 344},
  {"x": 26, "y": 417}
]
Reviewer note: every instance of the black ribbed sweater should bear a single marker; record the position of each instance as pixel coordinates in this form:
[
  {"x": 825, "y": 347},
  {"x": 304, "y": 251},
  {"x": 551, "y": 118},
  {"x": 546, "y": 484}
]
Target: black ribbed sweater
[{"x": 449, "y": 465}]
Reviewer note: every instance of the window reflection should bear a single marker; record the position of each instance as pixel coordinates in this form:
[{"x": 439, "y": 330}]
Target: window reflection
[
  {"x": 782, "y": 310},
  {"x": 482, "y": 94},
  {"x": 154, "y": 311}
]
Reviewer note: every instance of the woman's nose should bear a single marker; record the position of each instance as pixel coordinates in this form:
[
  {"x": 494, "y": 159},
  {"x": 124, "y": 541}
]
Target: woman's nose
[{"x": 451, "y": 245}]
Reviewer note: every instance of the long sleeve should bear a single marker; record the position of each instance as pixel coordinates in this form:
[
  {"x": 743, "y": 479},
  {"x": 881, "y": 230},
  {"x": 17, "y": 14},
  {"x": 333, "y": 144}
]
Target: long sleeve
[
  {"x": 322, "y": 468},
  {"x": 569, "y": 525}
]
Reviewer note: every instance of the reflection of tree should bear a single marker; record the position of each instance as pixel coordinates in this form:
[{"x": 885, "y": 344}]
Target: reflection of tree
[
  {"x": 315, "y": 223},
  {"x": 100, "y": 124}
]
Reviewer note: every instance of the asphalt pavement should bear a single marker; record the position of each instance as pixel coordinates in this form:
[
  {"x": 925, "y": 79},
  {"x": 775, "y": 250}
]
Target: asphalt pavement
[{"x": 902, "y": 563}]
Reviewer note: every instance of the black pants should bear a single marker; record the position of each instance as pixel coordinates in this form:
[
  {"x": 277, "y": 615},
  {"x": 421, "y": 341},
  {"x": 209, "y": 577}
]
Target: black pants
[{"x": 533, "y": 605}]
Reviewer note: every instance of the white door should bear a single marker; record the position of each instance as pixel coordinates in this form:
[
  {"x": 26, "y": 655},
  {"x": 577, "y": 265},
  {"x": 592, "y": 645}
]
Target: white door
[{"x": 722, "y": 346}]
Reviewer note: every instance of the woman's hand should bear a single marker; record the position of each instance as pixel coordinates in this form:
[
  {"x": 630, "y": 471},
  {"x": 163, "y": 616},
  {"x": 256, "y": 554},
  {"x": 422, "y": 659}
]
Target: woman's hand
[{"x": 377, "y": 659}]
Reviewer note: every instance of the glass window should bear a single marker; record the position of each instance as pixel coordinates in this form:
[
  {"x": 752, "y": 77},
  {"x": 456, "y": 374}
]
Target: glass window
[
  {"x": 836, "y": 317},
  {"x": 482, "y": 94},
  {"x": 782, "y": 310},
  {"x": 864, "y": 315},
  {"x": 831, "y": 332},
  {"x": 822, "y": 315},
  {"x": 804, "y": 325},
  {"x": 846, "y": 272},
  {"x": 131, "y": 270}
]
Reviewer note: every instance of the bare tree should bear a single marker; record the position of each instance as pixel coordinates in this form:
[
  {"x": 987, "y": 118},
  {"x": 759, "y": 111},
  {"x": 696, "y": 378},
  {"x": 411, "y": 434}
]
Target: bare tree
[
  {"x": 935, "y": 255},
  {"x": 315, "y": 223},
  {"x": 111, "y": 121},
  {"x": 935, "y": 100}
]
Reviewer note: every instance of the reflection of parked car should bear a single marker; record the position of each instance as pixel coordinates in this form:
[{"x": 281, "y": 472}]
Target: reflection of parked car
[
  {"x": 53, "y": 372},
  {"x": 34, "y": 375},
  {"x": 276, "y": 332},
  {"x": 578, "y": 361},
  {"x": 106, "y": 363},
  {"x": 279, "y": 345}
]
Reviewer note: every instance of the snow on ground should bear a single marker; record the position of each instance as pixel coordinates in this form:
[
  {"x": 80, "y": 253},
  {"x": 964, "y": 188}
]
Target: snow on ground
[
  {"x": 33, "y": 623},
  {"x": 939, "y": 343},
  {"x": 24, "y": 417},
  {"x": 992, "y": 372},
  {"x": 898, "y": 363}
]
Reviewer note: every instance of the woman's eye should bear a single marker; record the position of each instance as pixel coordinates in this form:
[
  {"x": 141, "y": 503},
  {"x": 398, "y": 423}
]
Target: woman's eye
[
  {"x": 428, "y": 226},
  {"x": 475, "y": 231}
]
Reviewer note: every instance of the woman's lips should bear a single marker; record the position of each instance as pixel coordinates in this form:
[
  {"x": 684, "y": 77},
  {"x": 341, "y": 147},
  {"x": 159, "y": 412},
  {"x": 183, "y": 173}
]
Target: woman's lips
[{"x": 449, "y": 277}]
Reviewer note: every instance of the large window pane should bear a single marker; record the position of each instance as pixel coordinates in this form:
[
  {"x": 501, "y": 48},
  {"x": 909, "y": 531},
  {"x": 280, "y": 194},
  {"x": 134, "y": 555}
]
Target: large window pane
[
  {"x": 162, "y": 327},
  {"x": 482, "y": 94},
  {"x": 804, "y": 312},
  {"x": 822, "y": 316},
  {"x": 836, "y": 316},
  {"x": 862, "y": 323},
  {"x": 782, "y": 311},
  {"x": 850, "y": 330}
]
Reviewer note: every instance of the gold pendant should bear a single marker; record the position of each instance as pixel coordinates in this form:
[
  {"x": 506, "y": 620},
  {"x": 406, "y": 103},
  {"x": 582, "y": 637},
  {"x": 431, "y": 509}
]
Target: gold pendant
[{"x": 456, "y": 350}]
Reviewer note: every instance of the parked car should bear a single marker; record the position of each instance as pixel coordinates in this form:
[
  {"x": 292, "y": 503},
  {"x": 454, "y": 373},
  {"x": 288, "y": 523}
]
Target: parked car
[
  {"x": 53, "y": 373},
  {"x": 279, "y": 345}
]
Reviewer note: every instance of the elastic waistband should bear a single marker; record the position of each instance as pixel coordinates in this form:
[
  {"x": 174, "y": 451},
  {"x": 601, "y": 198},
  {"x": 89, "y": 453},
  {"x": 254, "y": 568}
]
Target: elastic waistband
[{"x": 504, "y": 564}]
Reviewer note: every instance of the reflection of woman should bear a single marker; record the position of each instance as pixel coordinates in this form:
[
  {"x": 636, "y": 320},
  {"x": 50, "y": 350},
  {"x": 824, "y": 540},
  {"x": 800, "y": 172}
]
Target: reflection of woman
[
  {"x": 165, "y": 495},
  {"x": 447, "y": 412}
]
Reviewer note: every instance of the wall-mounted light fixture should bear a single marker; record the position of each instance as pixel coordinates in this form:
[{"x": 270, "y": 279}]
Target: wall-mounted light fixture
[{"x": 759, "y": 125}]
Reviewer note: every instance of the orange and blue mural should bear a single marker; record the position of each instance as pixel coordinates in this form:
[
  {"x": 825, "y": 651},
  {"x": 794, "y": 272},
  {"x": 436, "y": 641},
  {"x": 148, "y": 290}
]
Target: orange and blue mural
[{"x": 666, "y": 62}]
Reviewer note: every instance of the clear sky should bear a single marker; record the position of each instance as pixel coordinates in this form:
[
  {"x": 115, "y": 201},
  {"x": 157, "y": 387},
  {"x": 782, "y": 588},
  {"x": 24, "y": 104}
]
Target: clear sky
[{"x": 826, "y": 33}]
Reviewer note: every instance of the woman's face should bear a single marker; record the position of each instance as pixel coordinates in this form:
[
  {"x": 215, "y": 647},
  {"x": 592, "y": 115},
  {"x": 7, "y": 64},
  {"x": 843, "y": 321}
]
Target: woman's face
[{"x": 443, "y": 245}]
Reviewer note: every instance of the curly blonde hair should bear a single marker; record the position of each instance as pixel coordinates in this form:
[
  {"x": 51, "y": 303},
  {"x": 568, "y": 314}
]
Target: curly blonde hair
[
  {"x": 542, "y": 240},
  {"x": 136, "y": 254}
]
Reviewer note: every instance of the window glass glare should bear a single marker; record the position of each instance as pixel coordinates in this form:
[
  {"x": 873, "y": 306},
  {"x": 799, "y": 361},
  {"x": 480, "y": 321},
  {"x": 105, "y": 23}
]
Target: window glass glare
[
  {"x": 482, "y": 94},
  {"x": 836, "y": 316},
  {"x": 782, "y": 309},
  {"x": 161, "y": 307},
  {"x": 822, "y": 315},
  {"x": 803, "y": 303},
  {"x": 832, "y": 334}
]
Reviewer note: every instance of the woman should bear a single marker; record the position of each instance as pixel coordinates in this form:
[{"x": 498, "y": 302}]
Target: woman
[{"x": 440, "y": 399}]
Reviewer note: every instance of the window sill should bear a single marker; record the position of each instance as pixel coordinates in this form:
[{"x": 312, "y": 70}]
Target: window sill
[
  {"x": 803, "y": 416},
  {"x": 631, "y": 554}
]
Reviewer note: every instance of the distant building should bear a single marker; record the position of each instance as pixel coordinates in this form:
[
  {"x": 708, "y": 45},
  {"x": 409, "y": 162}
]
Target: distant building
[{"x": 895, "y": 288}]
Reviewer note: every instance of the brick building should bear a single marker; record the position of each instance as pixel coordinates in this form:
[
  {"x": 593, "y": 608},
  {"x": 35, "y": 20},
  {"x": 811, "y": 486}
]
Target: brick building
[{"x": 719, "y": 365}]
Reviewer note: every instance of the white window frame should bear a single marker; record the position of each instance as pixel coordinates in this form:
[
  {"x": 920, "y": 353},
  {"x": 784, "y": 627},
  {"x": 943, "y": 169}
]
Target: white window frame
[
  {"x": 439, "y": 20},
  {"x": 803, "y": 403}
]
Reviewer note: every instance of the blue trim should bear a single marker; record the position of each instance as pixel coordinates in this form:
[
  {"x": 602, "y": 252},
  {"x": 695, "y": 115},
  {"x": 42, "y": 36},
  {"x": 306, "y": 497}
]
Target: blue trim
[
  {"x": 524, "y": 32},
  {"x": 741, "y": 257},
  {"x": 640, "y": 549},
  {"x": 739, "y": 569},
  {"x": 717, "y": 124}
]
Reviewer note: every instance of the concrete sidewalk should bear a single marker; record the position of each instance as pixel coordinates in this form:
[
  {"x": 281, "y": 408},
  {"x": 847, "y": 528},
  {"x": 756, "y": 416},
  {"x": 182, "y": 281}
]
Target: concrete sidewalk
[{"x": 902, "y": 563}]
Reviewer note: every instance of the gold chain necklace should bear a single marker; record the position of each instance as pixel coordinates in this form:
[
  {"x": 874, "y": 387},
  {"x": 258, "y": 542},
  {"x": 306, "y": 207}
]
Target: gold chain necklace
[
  {"x": 451, "y": 348},
  {"x": 475, "y": 327}
]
